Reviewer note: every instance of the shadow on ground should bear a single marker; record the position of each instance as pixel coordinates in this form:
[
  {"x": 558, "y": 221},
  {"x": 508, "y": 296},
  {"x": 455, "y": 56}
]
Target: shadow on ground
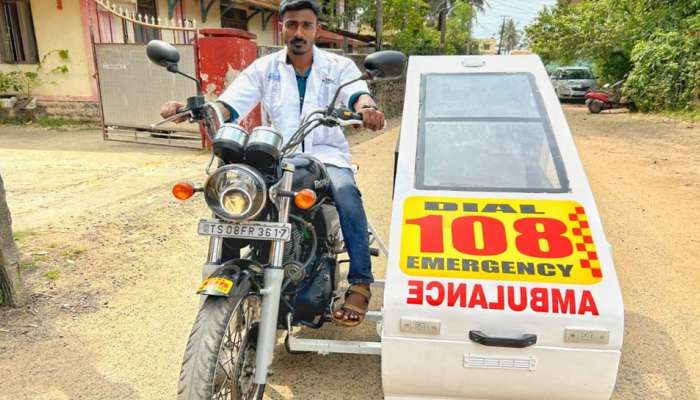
[{"x": 648, "y": 374}]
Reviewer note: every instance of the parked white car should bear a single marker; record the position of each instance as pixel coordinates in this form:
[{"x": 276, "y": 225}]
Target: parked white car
[{"x": 573, "y": 82}]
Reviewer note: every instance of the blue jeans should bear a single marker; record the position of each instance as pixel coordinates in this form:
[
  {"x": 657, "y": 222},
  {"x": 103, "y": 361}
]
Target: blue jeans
[{"x": 353, "y": 223}]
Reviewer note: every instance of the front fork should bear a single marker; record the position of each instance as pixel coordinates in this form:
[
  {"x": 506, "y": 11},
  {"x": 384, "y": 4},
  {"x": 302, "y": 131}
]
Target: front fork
[{"x": 273, "y": 279}]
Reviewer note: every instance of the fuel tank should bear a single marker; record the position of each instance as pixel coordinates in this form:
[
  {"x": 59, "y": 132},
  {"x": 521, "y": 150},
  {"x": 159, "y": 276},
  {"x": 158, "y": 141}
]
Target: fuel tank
[{"x": 310, "y": 173}]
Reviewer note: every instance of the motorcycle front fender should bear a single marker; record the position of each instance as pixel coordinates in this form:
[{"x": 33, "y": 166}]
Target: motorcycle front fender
[{"x": 228, "y": 278}]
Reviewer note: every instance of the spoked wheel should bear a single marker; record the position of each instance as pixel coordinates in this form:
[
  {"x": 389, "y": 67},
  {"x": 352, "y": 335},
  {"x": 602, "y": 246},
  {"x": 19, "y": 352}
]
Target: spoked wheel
[
  {"x": 219, "y": 361},
  {"x": 235, "y": 369}
]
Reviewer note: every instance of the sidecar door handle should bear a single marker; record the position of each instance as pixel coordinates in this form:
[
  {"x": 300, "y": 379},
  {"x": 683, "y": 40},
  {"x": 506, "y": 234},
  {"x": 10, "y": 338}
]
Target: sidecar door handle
[{"x": 525, "y": 340}]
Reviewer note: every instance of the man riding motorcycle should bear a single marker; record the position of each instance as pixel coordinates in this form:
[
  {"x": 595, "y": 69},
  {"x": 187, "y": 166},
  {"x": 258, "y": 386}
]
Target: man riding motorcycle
[{"x": 289, "y": 83}]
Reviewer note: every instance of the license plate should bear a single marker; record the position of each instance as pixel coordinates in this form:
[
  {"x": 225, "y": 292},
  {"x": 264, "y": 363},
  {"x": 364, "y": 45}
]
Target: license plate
[{"x": 245, "y": 230}]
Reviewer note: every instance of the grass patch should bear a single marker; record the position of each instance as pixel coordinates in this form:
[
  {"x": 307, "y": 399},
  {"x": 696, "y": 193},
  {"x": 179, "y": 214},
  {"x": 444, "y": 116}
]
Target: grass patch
[
  {"x": 18, "y": 236},
  {"x": 40, "y": 257},
  {"x": 51, "y": 275},
  {"x": 56, "y": 123},
  {"x": 27, "y": 264},
  {"x": 686, "y": 115},
  {"x": 72, "y": 253}
]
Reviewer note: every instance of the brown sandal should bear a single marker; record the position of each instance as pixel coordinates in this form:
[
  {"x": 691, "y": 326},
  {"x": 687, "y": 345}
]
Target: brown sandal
[{"x": 349, "y": 307}]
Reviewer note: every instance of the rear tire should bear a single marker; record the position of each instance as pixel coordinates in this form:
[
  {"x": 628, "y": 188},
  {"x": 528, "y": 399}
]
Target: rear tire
[
  {"x": 595, "y": 106},
  {"x": 219, "y": 359}
]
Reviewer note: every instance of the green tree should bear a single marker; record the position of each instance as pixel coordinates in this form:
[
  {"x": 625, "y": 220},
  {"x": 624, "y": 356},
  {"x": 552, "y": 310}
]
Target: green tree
[
  {"x": 666, "y": 72},
  {"x": 607, "y": 32},
  {"x": 355, "y": 11},
  {"x": 407, "y": 28},
  {"x": 441, "y": 10},
  {"x": 459, "y": 27},
  {"x": 412, "y": 26}
]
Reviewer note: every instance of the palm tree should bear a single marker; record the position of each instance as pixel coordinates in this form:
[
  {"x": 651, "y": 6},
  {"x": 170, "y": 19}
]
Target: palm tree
[
  {"x": 511, "y": 35},
  {"x": 442, "y": 9}
]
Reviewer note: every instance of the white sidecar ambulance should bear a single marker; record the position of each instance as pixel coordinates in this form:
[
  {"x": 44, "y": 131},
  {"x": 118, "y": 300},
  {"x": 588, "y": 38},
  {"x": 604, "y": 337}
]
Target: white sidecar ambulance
[{"x": 500, "y": 282}]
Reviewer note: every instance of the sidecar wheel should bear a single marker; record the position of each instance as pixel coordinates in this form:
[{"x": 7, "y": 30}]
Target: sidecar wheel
[{"x": 219, "y": 361}]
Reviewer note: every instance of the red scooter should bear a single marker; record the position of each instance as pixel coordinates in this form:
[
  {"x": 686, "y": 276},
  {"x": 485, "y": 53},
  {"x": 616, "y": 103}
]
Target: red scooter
[{"x": 607, "y": 99}]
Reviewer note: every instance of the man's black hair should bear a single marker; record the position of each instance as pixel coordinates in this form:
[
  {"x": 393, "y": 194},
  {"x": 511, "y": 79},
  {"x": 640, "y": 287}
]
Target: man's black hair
[{"x": 296, "y": 5}]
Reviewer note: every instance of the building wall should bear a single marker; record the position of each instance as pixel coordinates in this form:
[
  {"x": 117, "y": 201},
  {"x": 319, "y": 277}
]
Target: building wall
[
  {"x": 265, "y": 37},
  {"x": 492, "y": 45},
  {"x": 68, "y": 29},
  {"x": 60, "y": 29},
  {"x": 192, "y": 10}
]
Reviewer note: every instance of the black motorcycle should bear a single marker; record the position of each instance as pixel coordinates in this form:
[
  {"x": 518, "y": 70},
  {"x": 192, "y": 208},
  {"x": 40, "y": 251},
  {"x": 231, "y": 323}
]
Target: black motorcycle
[{"x": 277, "y": 206}]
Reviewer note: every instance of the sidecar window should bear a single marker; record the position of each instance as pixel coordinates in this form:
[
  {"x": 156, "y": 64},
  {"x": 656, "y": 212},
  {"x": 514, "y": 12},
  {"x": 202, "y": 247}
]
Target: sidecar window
[{"x": 486, "y": 132}]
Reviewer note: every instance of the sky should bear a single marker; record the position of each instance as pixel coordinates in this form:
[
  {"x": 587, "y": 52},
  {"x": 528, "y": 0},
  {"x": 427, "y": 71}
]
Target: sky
[{"x": 523, "y": 12}]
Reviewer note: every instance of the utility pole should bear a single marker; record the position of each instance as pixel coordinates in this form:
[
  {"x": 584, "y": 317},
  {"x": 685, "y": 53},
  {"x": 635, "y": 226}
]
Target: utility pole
[
  {"x": 442, "y": 23},
  {"x": 500, "y": 40},
  {"x": 379, "y": 27},
  {"x": 342, "y": 10}
]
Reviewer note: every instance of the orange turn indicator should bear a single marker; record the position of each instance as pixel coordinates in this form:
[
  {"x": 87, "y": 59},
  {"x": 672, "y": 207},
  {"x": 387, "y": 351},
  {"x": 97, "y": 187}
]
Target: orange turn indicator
[
  {"x": 183, "y": 190},
  {"x": 305, "y": 199}
]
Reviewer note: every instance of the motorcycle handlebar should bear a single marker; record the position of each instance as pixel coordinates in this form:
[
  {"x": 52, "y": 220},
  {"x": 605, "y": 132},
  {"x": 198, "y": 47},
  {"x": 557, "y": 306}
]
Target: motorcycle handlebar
[
  {"x": 348, "y": 115},
  {"x": 181, "y": 113}
]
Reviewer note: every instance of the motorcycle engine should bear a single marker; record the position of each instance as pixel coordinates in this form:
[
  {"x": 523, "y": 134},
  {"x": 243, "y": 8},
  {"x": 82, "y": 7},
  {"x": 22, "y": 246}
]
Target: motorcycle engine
[
  {"x": 293, "y": 248},
  {"x": 306, "y": 291},
  {"x": 294, "y": 256}
]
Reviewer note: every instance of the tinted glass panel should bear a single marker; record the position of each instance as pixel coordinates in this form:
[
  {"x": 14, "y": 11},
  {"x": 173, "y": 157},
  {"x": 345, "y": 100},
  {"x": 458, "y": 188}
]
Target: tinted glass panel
[
  {"x": 488, "y": 95},
  {"x": 487, "y": 132},
  {"x": 576, "y": 74}
]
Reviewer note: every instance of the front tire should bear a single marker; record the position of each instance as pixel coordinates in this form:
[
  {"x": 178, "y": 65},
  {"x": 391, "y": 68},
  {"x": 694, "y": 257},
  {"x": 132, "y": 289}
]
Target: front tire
[{"x": 219, "y": 361}]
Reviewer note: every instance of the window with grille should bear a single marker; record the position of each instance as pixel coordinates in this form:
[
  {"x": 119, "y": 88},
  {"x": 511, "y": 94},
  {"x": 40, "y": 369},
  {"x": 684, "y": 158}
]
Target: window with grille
[
  {"x": 233, "y": 18},
  {"x": 148, "y": 9},
  {"x": 17, "y": 40}
]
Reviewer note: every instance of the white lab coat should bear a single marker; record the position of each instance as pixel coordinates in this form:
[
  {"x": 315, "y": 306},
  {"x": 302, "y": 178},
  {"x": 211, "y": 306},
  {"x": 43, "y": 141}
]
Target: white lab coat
[{"x": 272, "y": 80}]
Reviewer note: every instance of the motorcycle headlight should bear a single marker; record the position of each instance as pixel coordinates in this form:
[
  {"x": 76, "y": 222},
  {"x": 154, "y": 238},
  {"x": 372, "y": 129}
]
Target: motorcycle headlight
[{"x": 235, "y": 192}]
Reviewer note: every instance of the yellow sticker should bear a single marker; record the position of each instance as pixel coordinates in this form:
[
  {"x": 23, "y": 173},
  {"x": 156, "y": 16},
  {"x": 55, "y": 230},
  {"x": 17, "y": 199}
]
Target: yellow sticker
[
  {"x": 497, "y": 239},
  {"x": 221, "y": 285}
]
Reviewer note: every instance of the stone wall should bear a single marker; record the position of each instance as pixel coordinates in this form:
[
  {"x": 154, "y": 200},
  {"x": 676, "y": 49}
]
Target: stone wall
[
  {"x": 83, "y": 110},
  {"x": 389, "y": 94},
  {"x": 77, "y": 110}
]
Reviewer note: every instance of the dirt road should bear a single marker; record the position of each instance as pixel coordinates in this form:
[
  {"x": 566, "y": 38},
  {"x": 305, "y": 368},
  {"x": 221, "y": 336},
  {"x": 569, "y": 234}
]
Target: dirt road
[{"x": 113, "y": 261}]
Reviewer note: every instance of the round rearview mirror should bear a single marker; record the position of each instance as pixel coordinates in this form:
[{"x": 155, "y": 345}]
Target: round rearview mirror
[
  {"x": 388, "y": 64},
  {"x": 162, "y": 53}
]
